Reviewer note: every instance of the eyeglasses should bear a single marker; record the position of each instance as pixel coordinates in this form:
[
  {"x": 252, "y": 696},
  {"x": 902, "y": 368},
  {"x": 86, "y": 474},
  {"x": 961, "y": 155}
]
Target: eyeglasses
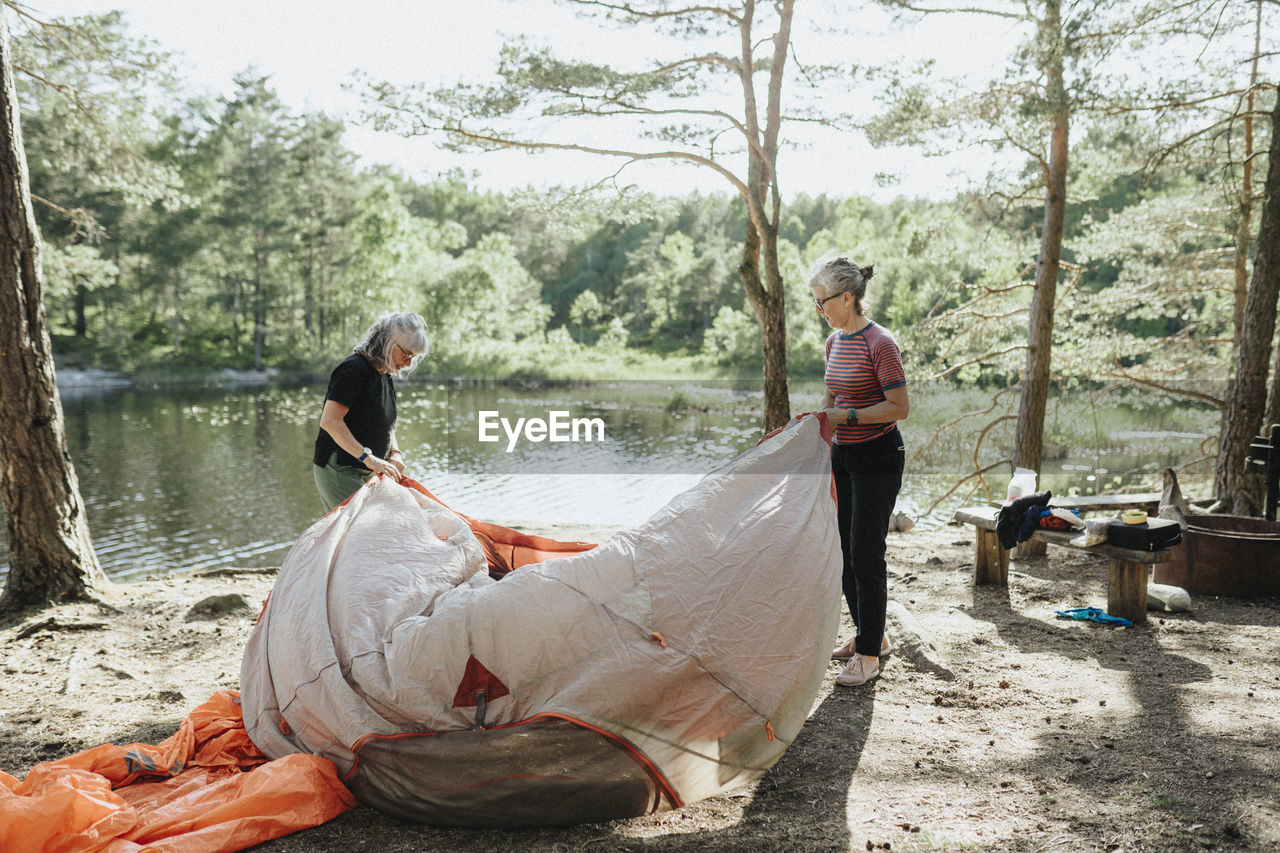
[
  {"x": 818, "y": 303},
  {"x": 403, "y": 354}
]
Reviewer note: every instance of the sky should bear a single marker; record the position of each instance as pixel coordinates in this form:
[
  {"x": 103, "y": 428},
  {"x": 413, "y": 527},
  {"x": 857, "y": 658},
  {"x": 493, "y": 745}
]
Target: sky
[{"x": 311, "y": 48}]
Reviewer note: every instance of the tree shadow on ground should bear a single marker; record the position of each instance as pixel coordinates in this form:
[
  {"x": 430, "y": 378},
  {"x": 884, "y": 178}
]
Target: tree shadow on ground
[
  {"x": 812, "y": 777},
  {"x": 1155, "y": 755}
]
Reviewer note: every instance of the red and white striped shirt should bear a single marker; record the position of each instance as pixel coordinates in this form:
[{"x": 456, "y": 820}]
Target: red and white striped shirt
[{"x": 860, "y": 368}]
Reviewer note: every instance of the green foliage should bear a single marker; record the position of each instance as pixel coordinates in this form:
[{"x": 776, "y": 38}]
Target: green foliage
[
  {"x": 733, "y": 339},
  {"x": 238, "y": 233}
]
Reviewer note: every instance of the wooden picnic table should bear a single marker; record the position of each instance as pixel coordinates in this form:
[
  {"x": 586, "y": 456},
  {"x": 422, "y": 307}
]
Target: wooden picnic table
[{"x": 1126, "y": 572}]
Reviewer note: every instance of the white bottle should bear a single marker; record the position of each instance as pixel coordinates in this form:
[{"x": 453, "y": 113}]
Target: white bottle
[{"x": 1022, "y": 483}]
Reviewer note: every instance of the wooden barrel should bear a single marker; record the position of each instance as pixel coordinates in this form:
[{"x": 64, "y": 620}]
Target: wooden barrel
[{"x": 1226, "y": 555}]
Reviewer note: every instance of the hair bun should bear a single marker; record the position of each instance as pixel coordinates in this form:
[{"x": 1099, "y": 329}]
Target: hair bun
[{"x": 867, "y": 271}]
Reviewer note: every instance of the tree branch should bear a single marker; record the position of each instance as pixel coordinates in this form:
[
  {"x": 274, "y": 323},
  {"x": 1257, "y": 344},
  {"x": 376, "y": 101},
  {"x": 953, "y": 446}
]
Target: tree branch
[
  {"x": 958, "y": 10},
  {"x": 484, "y": 139},
  {"x": 688, "y": 11},
  {"x": 1005, "y": 461},
  {"x": 707, "y": 59},
  {"x": 82, "y": 220},
  {"x": 978, "y": 359},
  {"x": 1123, "y": 373}
]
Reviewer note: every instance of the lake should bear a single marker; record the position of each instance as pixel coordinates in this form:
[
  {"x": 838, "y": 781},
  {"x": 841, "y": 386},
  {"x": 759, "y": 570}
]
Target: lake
[{"x": 180, "y": 479}]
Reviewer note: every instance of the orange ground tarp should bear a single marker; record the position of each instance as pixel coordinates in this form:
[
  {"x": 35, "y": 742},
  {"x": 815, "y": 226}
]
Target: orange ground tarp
[{"x": 205, "y": 789}]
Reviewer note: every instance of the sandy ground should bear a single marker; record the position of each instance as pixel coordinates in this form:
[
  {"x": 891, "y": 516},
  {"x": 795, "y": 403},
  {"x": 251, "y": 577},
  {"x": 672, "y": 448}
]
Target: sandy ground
[{"x": 995, "y": 727}]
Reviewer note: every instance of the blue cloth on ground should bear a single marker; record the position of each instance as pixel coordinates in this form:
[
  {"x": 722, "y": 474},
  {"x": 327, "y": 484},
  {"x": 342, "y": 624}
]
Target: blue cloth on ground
[{"x": 1093, "y": 614}]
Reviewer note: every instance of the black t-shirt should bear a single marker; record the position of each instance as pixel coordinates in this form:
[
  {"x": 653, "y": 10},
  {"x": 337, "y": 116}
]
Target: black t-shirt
[{"x": 371, "y": 402}]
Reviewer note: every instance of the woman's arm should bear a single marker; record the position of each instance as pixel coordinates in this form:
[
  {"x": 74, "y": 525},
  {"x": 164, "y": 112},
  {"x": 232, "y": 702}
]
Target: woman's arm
[
  {"x": 895, "y": 407},
  {"x": 395, "y": 455},
  {"x": 333, "y": 421}
]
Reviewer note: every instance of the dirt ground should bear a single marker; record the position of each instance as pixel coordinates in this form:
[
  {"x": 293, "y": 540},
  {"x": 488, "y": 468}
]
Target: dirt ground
[{"x": 1051, "y": 735}]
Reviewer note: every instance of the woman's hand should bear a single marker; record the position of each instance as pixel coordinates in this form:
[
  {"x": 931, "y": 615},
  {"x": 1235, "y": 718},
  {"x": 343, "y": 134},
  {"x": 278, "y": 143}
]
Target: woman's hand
[
  {"x": 836, "y": 416},
  {"x": 382, "y": 466},
  {"x": 396, "y": 458}
]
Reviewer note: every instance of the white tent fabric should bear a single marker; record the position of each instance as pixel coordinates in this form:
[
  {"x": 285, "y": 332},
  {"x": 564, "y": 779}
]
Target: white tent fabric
[{"x": 673, "y": 662}]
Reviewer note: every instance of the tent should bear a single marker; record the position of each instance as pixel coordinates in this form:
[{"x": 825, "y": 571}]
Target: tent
[{"x": 673, "y": 662}]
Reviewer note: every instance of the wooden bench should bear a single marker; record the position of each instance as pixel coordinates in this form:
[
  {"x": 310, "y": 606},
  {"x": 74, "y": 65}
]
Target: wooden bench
[{"x": 1126, "y": 573}]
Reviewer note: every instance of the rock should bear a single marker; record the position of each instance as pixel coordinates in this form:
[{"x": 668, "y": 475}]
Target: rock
[
  {"x": 247, "y": 377},
  {"x": 217, "y": 605},
  {"x": 900, "y": 522},
  {"x": 1170, "y": 599},
  {"x": 915, "y": 644},
  {"x": 89, "y": 377},
  {"x": 166, "y": 695}
]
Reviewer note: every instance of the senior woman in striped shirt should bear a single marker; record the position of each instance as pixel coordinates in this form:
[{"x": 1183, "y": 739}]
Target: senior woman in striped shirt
[{"x": 866, "y": 396}]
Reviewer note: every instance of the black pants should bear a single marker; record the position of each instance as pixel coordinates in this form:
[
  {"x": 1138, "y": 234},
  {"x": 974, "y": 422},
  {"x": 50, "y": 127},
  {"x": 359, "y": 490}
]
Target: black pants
[{"x": 867, "y": 477}]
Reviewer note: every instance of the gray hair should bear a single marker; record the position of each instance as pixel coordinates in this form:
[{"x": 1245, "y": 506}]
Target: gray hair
[
  {"x": 405, "y": 328},
  {"x": 843, "y": 276}
]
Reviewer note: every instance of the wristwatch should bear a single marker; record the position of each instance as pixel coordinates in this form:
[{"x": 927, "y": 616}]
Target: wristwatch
[
  {"x": 365, "y": 455},
  {"x": 853, "y": 416}
]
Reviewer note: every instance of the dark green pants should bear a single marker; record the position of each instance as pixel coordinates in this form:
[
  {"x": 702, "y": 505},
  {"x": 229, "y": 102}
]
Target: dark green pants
[{"x": 337, "y": 482}]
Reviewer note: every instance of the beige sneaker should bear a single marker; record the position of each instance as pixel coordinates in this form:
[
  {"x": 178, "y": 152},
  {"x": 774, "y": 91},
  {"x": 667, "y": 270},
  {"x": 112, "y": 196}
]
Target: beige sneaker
[
  {"x": 845, "y": 651},
  {"x": 856, "y": 673}
]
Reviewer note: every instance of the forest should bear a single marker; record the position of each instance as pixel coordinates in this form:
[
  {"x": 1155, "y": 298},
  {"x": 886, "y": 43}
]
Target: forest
[{"x": 183, "y": 234}]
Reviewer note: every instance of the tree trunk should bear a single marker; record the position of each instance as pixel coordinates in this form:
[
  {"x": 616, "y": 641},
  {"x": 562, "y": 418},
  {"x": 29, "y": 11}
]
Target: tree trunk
[
  {"x": 309, "y": 284},
  {"x": 259, "y": 336},
  {"x": 50, "y": 553},
  {"x": 777, "y": 401},
  {"x": 1028, "y": 446},
  {"x": 175, "y": 276},
  {"x": 1239, "y": 491},
  {"x": 259, "y": 312},
  {"x": 759, "y": 270},
  {"x": 773, "y": 326},
  {"x": 764, "y": 290},
  {"x": 1244, "y": 225},
  {"x": 80, "y": 323},
  {"x": 235, "y": 298},
  {"x": 1273, "y": 407}
]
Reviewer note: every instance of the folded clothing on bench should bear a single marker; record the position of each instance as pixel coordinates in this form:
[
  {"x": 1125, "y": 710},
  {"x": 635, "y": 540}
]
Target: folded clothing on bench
[{"x": 1009, "y": 521}]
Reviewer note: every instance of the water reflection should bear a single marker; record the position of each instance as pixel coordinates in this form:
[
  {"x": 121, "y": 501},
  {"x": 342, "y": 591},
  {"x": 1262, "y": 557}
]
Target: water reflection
[
  {"x": 191, "y": 478},
  {"x": 194, "y": 478}
]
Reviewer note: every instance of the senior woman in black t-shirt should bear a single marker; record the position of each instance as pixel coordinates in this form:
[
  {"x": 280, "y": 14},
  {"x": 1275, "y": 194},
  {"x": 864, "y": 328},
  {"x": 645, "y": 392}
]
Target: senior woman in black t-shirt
[{"x": 357, "y": 437}]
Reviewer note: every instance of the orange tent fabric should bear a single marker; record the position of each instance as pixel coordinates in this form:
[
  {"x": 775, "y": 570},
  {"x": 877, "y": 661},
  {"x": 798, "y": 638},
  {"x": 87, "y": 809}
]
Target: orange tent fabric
[
  {"x": 205, "y": 789},
  {"x": 506, "y": 549}
]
